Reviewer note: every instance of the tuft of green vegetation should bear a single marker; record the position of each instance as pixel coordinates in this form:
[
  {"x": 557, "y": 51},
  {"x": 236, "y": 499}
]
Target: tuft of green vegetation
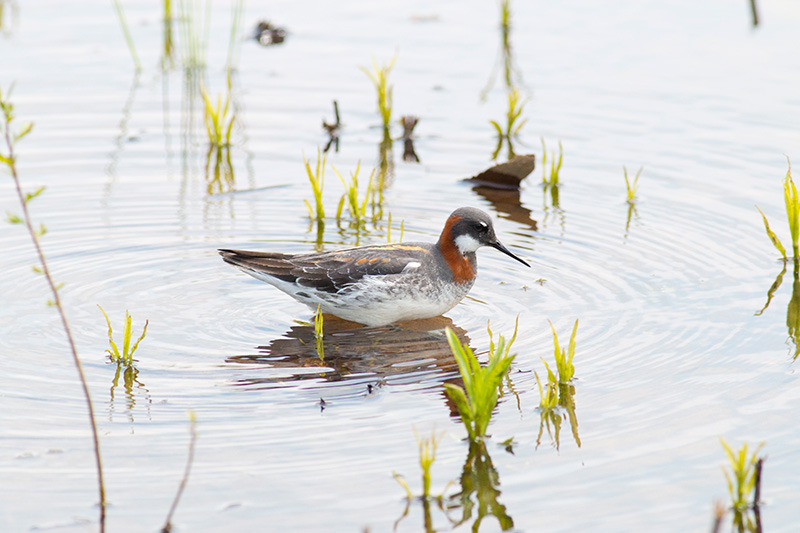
[
  {"x": 516, "y": 105},
  {"x": 218, "y": 125},
  {"x": 319, "y": 333},
  {"x": 792, "y": 203},
  {"x": 555, "y": 165},
  {"x": 742, "y": 476},
  {"x": 477, "y": 399},
  {"x": 126, "y": 355},
  {"x": 317, "y": 180},
  {"x": 389, "y": 229},
  {"x": 631, "y": 187},
  {"x": 427, "y": 455},
  {"x": 563, "y": 358},
  {"x": 379, "y": 75},
  {"x": 350, "y": 199}
]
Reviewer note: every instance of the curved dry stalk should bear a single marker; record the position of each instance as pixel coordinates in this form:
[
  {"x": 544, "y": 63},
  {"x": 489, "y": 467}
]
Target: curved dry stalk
[{"x": 45, "y": 271}]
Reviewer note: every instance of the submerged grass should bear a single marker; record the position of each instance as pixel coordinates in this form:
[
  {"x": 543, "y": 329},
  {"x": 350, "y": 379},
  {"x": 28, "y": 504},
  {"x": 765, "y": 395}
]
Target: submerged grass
[
  {"x": 792, "y": 203},
  {"x": 9, "y": 159},
  {"x": 427, "y": 455},
  {"x": 126, "y": 355},
  {"x": 478, "y": 398}
]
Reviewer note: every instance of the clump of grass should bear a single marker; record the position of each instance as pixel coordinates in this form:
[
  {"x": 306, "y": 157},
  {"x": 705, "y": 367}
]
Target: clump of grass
[
  {"x": 742, "y": 476},
  {"x": 379, "y": 75},
  {"x": 427, "y": 456},
  {"x": 511, "y": 130},
  {"x": 319, "y": 333},
  {"x": 9, "y": 159},
  {"x": 126, "y": 355},
  {"x": 317, "y": 180},
  {"x": 356, "y": 208},
  {"x": 516, "y": 105},
  {"x": 477, "y": 399},
  {"x": 792, "y": 203},
  {"x": 218, "y": 124},
  {"x": 555, "y": 165},
  {"x": 563, "y": 358},
  {"x": 631, "y": 187}
]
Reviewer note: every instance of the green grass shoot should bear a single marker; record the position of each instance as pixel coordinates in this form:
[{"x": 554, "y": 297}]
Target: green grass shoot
[
  {"x": 632, "y": 187},
  {"x": 742, "y": 476},
  {"x": 389, "y": 229},
  {"x": 317, "y": 179},
  {"x": 350, "y": 198},
  {"x": 547, "y": 400},
  {"x": 792, "y": 203},
  {"x": 319, "y": 333},
  {"x": 555, "y": 165},
  {"x": 563, "y": 358},
  {"x": 477, "y": 399},
  {"x": 427, "y": 455},
  {"x": 379, "y": 75},
  {"x": 218, "y": 124},
  {"x": 516, "y": 105},
  {"x": 126, "y": 355}
]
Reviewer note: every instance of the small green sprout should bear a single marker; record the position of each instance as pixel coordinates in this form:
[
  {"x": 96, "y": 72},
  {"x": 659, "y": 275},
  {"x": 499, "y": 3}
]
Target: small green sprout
[
  {"x": 350, "y": 197},
  {"x": 742, "y": 476},
  {"x": 792, "y": 203},
  {"x": 380, "y": 79},
  {"x": 427, "y": 456},
  {"x": 126, "y": 356},
  {"x": 317, "y": 180},
  {"x": 477, "y": 399},
  {"x": 516, "y": 104},
  {"x": 555, "y": 165},
  {"x": 218, "y": 125},
  {"x": 319, "y": 333},
  {"x": 631, "y": 187},
  {"x": 562, "y": 357}
]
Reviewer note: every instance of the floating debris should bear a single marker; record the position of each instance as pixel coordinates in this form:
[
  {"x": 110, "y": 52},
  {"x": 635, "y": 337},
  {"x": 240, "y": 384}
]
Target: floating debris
[
  {"x": 266, "y": 34},
  {"x": 409, "y": 122},
  {"x": 507, "y": 175}
]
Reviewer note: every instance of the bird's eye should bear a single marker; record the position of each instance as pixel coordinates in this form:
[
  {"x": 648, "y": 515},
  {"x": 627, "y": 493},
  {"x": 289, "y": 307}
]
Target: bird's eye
[{"x": 481, "y": 227}]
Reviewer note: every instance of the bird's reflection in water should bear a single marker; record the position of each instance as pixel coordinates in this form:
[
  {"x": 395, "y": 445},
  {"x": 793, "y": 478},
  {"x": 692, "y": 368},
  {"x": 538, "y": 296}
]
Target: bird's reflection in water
[{"x": 408, "y": 352}]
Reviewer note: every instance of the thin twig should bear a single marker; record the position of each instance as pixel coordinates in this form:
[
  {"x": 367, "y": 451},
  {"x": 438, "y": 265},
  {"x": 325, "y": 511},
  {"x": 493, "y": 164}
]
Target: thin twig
[
  {"x": 62, "y": 314},
  {"x": 189, "y": 460}
]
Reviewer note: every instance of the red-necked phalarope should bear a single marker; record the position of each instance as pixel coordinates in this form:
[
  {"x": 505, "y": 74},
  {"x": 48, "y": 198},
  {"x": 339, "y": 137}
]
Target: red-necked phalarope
[{"x": 380, "y": 284}]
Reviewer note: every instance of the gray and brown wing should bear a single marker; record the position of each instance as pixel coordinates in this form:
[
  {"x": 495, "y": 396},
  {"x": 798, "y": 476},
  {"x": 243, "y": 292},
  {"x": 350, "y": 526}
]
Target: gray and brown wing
[{"x": 328, "y": 271}]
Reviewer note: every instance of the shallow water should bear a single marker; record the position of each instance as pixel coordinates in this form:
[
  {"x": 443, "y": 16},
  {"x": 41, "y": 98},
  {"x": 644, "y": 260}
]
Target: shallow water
[{"x": 670, "y": 354}]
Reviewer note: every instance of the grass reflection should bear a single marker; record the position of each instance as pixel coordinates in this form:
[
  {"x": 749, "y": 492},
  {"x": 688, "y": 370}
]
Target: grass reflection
[
  {"x": 480, "y": 492},
  {"x": 792, "y": 309}
]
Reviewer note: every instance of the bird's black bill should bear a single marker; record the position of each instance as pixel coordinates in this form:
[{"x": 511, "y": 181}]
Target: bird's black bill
[{"x": 499, "y": 246}]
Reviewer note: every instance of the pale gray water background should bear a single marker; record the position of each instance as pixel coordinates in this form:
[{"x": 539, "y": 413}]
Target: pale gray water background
[{"x": 670, "y": 356}]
